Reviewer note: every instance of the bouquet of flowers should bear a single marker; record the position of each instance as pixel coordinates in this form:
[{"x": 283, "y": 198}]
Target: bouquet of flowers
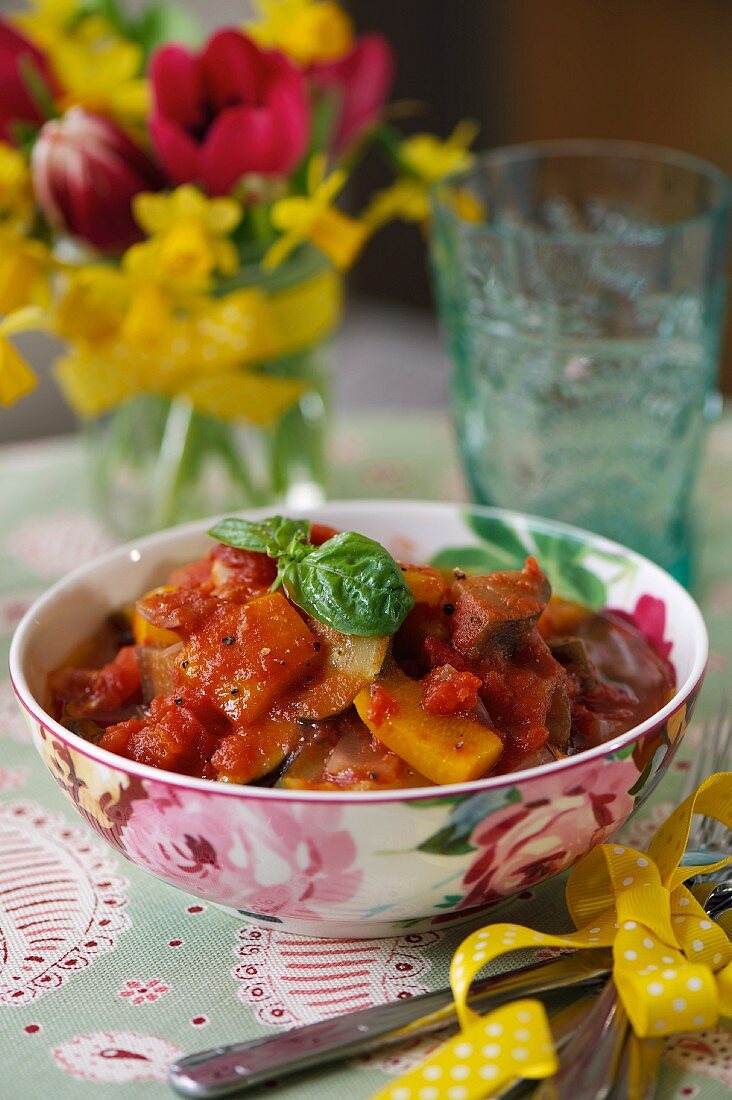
[{"x": 167, "y": 207}]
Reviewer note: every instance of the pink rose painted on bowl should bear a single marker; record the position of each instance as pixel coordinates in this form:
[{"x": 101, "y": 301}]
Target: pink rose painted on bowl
[
  {"x": 294, "y": 862},
  {"x": 649, "y": 617},
  {"x": 526, "y": 842}
]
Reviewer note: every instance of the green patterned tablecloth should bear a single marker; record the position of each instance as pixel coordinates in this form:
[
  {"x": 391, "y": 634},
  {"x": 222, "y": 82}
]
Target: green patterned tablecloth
[{"x": 126, "y": 971}]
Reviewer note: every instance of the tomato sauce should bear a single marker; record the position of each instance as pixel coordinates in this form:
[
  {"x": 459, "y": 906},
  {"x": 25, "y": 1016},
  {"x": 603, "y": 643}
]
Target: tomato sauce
[{"x": 216, "y": 675}]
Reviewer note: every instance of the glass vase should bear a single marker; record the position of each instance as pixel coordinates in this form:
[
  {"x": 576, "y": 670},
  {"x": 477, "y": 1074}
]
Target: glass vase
[{"x": 157, "y": 460}]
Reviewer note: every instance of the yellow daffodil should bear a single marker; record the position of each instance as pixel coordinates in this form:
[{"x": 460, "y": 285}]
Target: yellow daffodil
[
  {"x": 16, "y": 377},
  {"x": 92, "y": 304},
  {"x": 45, "y": 19},
  {"x": 188, "y": 237},
  {"x": 467, "y": 205},
  {"x": 425, "y": 160},
  {"x": 406, "y": 198},
  {"x": 16, "y": 193},
  {"x": 24, "y": 269},
  {"x": 96, "y": 68},
  {"x": 311, "y": 217},
  {"x": 307, "y": 31},
  {"x": 101, "y": 73},
  {"x": 93, "y": 384},
  {"x": 429, "y": 159}
]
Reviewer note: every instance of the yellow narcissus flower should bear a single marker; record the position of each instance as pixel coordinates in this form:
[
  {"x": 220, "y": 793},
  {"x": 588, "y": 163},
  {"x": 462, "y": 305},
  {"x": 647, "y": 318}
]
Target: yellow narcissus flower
[
  {"x": 188, "y": 237},
  {"x": 101, "y": 74},
  {"x": 307, "y": 31},
  {"x": 16, "y": 193},
  {"x": 100, "y": 304},
  {"x": 92, "y": 305},
  {"x": 46, "y": 18},
  {"x": 312, "y": 218},
  {"x": 16, "y": 377},
  {"x": 406, "y": 198},
  {"x": 24, "y": 268},
  {"x": 467, "y": 205},
  {"x": 425, "y": 160},
  {"x": 430, "y": 160},
  {"x": 97, "y": 68}
]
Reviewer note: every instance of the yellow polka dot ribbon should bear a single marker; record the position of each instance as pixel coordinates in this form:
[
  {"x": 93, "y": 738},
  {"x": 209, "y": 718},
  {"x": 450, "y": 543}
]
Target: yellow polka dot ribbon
[{"x": 672, "y": 965}]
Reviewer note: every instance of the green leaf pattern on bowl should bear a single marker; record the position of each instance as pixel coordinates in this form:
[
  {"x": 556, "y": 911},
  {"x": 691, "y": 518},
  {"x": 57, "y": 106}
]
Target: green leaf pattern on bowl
[{"x": 563, "y": 557}]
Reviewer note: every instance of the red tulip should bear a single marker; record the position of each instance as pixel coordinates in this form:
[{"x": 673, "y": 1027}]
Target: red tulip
[
  {"x": 86, "y": 171},
  {"x": 16, "y": 101},
  {"x": 362, "y": 79},
  {"x": 233, "y": 109}
]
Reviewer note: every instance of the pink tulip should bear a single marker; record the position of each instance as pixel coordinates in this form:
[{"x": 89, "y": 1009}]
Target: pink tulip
[
  {"x": 362, "y": 80},
  {"x": 231, "y": 110},
  {"x": 86, "y": 171},
  {"x": 16, "y": 101}
]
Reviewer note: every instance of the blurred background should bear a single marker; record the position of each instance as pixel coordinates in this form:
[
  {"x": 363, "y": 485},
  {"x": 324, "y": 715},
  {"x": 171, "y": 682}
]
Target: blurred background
[{"x": 658, "y": 71}]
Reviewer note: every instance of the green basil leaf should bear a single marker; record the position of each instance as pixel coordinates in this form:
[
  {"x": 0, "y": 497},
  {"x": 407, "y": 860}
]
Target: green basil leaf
[
  {"x": 275, "y": 536},
  {"x": 352, "y": 584}
]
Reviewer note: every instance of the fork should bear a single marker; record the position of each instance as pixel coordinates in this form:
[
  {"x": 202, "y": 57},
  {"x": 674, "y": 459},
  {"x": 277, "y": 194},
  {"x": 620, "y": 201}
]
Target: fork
[
  {"x": 707, "y": 835},
  {"x": 600, "y": 1051}
]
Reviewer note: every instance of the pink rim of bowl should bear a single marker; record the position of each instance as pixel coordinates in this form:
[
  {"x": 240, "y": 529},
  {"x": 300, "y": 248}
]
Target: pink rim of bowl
[{"x": 33, "y": 618}]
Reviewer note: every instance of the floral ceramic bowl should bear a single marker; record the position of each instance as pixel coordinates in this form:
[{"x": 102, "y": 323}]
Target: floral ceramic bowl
[{"x": 369, "y": 863}]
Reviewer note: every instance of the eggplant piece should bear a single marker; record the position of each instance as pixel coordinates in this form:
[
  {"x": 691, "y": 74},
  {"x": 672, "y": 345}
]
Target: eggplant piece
[
  {"x": 559, "y": 720},
  {"x": 350, "y": 663},
  {"x": 571, "y": 652},
  {"x": 84, "y": 727},
  {"x": 158, "y": 668},
  {"x": 498, "y": 610},
  {"x": 348, "y": 758},
  {"x": 306, "y": 768}
]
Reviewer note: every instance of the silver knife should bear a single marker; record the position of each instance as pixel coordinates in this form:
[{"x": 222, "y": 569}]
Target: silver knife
[{"x": 225, "y": 1070}]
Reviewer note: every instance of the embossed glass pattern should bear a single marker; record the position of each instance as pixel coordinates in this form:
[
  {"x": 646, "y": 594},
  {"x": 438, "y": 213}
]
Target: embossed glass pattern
[{"x": 583, "y": 314}]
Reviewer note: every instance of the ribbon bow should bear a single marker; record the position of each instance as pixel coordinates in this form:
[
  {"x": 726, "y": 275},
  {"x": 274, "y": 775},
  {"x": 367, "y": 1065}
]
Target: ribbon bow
[{"x": 672, "y": 965}]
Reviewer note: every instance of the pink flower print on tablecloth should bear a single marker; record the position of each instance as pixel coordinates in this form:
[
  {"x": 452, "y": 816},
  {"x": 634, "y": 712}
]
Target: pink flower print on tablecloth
[
  {"x": 74, "y": 876},
  {"x": 525, "y": 842},
  {"x": 298, "y": 862},
  {"x": 13, "y": 608},
  {"x": 12, "y": 779},
  {"x": 643, "y": 825},
  {"x": 116, "y": 1057},
  {"x": 12, "y": 724},
  {"x": 292, "y": 980},
  {"x": 137, "y": 992},
  {"x": 55, "y": 545},
  {"x": 708, "y": 1053}
]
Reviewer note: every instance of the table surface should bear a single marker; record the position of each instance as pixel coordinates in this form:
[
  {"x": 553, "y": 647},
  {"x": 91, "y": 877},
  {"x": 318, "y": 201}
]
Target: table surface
[{"x": 131, "y": 972}]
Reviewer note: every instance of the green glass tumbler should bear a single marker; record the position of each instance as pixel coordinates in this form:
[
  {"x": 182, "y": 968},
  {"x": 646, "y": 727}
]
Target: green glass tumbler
[{"x": 581, "y": 288}]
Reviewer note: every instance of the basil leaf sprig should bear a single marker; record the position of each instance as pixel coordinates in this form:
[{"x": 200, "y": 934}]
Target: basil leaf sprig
[{"x": 349, "y": 582}]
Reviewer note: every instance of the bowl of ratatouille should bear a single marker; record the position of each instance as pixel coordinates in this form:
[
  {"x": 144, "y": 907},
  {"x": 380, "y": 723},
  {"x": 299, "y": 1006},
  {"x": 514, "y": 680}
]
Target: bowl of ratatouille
[{"x": 377, "y": 716}]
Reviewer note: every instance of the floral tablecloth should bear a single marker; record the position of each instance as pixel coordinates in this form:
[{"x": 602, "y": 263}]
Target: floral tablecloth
[{"x": 107, "y": 974}]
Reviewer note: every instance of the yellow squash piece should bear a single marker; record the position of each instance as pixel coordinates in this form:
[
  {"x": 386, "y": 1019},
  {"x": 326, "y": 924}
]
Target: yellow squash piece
[
  {"x": 427, "y": 584},
  {"x": 445, "y": 748},
  {"x": 350, "y": 663},
  {"x": 145, "y": 633}
]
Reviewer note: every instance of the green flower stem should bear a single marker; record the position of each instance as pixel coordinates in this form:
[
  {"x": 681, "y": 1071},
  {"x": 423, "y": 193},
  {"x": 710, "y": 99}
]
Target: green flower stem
[{"x": 171, "y": 472}]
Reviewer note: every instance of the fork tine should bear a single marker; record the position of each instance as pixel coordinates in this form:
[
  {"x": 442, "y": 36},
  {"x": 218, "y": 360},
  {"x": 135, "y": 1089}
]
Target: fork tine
[{"x": 714, "y": 754}]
